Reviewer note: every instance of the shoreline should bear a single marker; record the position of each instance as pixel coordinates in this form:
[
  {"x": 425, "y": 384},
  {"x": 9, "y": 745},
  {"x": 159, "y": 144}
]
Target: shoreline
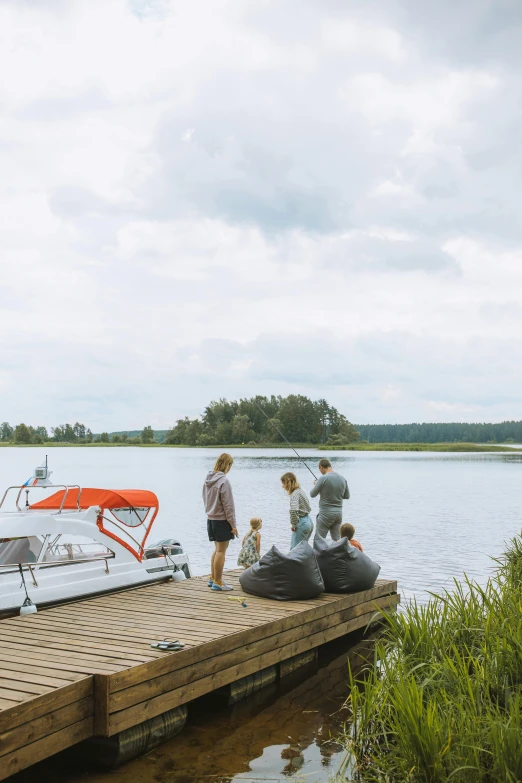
[{"x": 469, "y": 448}]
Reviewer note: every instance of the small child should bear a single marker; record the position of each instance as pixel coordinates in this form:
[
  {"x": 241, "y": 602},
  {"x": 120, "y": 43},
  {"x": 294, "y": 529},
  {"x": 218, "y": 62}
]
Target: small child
[
  {"x": 348, "y": 531},
  {"x": 251, "y": 545}
]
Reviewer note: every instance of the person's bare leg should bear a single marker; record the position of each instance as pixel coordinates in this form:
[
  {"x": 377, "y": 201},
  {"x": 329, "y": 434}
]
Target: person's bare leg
[
  {"x": 219, "y": 560},
  {"x": 212, "y": 559}
]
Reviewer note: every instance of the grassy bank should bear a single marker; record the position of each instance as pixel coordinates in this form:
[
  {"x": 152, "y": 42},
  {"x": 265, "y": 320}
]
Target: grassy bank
[
  {"x": 445, "y": 700},
  {"x": 449, "y": 447},
  {"x": 467, "y": 447}
]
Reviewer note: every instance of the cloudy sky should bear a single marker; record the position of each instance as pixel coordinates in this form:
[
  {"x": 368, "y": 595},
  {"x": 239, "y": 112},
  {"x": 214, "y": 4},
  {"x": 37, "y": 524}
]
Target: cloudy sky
[{"x": 224, "y": 198}]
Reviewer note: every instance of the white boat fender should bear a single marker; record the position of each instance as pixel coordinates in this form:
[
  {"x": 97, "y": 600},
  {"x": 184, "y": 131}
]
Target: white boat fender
[
  {"x": 27, "y": 607},
  {"x": 178, "y": 575}
]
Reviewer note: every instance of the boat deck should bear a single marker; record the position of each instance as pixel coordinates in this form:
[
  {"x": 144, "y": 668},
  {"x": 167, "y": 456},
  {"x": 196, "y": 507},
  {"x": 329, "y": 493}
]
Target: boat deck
[{"x": 87, "y": 668}]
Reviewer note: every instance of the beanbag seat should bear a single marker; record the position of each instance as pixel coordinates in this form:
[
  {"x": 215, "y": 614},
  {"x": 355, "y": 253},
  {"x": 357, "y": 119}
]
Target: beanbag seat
[
  {"x": 290, "y": 576},
  {"x": 344, "y": 568}
]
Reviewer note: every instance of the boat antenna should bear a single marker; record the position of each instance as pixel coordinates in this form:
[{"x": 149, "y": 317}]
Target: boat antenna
[{"x": 270, "y": 421}]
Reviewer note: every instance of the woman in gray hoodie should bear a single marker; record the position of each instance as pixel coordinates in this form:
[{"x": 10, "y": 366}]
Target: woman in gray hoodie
[{"x": 221, "y": 517}]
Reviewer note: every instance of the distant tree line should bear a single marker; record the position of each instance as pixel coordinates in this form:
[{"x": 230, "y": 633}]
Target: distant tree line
[
  {"x": 299, "y": 418},
  {"x": 68, "y": 433},
  {"x": 64, "y": 433},
  {"x": 258, "y": 419},
  {"x": 505, "y": 432}
]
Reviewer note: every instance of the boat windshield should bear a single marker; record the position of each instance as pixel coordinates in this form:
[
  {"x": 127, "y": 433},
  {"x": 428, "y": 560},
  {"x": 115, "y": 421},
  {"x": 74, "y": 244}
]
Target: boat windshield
[
  {"x": 19, "y": 550},
  {"x": 133, "y": 517}
]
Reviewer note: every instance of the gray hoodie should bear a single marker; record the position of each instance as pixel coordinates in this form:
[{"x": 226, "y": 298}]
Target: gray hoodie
[{"x": 218, "y": 499}]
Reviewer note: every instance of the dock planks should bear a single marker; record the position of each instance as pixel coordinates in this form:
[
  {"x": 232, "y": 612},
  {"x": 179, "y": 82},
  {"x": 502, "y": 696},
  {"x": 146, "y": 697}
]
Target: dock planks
[{"x": 87, "y": 668}]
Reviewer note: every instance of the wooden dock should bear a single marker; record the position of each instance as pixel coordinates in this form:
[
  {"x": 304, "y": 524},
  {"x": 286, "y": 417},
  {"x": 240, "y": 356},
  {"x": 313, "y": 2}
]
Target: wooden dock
[{"x": 87, "y": 668}]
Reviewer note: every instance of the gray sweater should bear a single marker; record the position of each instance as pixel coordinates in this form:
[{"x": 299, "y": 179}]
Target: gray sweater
[
  {"x": 332, "y": 489},
  {"x": 218, "y": 498}
]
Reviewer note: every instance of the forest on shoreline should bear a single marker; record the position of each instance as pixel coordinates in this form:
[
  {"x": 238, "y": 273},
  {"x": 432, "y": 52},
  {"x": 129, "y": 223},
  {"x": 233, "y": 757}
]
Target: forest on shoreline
[
  {"x": 502, "y": 432},
  {"x": 261, "y": 422}
]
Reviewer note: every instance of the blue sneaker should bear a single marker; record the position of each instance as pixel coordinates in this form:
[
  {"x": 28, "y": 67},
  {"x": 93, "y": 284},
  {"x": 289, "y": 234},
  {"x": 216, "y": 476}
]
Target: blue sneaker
[
  {"x": 222, "y": 587},
  {"x": 210, "y": 582}
]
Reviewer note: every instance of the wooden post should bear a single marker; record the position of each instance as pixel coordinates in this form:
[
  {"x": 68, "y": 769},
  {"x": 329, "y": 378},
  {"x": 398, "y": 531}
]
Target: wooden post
[{"x": 101, "y": 705}]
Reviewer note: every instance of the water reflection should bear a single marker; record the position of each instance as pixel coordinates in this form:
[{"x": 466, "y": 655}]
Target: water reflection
[{"x": 286, "y": 732}]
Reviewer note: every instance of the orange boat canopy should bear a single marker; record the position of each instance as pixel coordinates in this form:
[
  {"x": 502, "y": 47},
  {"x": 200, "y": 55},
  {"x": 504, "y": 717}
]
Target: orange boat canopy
[
  {"x": 121, "y": 509},
  {"x": 105, "y": 498}
]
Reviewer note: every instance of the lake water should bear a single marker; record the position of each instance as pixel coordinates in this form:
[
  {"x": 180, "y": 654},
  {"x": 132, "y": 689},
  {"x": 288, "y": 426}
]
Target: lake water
[{"x": 425, "y": 517}]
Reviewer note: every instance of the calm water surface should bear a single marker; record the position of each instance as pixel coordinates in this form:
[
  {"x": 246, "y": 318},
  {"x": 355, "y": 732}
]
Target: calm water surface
[{"x": 426, "y": 518}]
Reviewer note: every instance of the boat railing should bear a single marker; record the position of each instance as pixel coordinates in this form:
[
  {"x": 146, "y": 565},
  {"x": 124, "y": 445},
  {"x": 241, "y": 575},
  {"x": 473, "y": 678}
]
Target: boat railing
[
  {"x": 13, "y": 568},
  {"x": 23, "y": 487},
  {"x": 66, "y": 550}
]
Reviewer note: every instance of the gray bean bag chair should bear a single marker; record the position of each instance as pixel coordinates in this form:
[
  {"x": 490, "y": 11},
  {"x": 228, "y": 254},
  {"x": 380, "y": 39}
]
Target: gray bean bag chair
[
  {"x": 344, "y": 568},
  {"x": 290, "y": 576}
]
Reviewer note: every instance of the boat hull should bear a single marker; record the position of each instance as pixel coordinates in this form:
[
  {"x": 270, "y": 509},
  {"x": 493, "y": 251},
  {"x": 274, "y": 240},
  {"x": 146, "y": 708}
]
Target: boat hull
[{"x": 50, "y": 585}]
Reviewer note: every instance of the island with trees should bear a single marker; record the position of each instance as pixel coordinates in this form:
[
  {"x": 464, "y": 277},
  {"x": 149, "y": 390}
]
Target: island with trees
[{"x": 259, "y": 421}]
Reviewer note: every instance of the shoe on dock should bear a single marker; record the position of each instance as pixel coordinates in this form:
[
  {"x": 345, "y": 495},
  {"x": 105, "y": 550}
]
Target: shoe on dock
[
  {"x": 210, "y": 582},
  {"x": 223, "y": 586},
  {"x": 168, "y": 646}
]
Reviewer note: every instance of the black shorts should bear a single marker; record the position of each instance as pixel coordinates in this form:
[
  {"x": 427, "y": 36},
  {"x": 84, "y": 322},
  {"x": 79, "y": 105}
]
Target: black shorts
[{"x": 219, "y": 530}]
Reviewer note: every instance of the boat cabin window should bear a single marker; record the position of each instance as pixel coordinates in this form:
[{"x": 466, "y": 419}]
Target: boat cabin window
[
  {"x": 19, "y": 550},
  {"x": 133, "y": 517},
  {"x": 66, "y": 548}
]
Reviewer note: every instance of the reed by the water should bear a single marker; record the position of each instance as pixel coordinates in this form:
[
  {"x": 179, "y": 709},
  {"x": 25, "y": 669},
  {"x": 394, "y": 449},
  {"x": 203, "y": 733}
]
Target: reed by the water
[{"x": 444, "y": 700}]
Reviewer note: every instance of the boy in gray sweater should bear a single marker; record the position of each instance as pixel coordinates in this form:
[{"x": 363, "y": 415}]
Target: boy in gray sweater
[{"x": 332, "y": 489}]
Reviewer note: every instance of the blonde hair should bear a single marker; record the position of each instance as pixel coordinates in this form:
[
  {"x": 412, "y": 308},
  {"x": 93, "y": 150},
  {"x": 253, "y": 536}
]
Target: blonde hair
[
  {"x": 223, "y": 463},
  {"x": 290, "y": 482},
  {"x": 255, "y": 523}
]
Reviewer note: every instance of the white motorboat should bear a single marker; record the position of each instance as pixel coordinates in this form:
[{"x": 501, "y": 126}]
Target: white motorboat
[{"x": 79, "y": 542}]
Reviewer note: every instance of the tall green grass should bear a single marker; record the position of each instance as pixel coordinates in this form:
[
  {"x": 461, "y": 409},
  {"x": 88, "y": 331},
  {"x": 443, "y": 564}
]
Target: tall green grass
[
  {"x": 446, "y": 447},
  {"x": 443, "y": 700}
]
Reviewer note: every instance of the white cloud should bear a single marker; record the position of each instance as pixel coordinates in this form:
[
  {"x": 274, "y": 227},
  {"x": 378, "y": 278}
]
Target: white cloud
[
  {"x": 219, "y": 199},
  {"x": 360, "y": 37}
]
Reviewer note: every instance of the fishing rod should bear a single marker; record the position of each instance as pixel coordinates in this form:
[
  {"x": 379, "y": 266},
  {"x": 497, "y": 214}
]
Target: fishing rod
[{"x": 284, "y": 438}]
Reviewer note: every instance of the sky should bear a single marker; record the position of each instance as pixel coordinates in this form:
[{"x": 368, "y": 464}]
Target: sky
[{"x": 220, "y": 198}]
